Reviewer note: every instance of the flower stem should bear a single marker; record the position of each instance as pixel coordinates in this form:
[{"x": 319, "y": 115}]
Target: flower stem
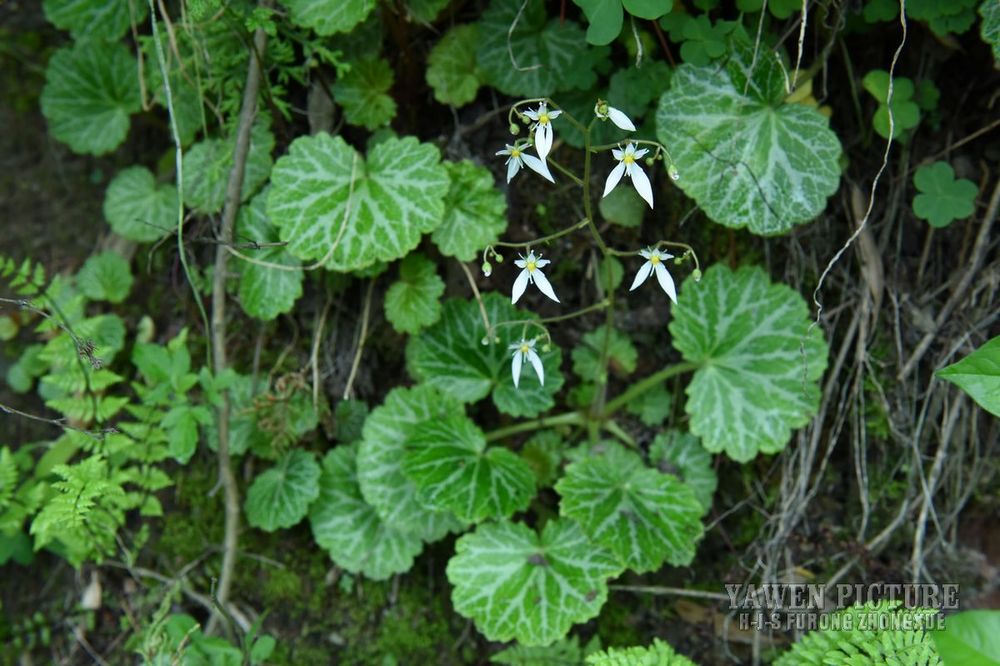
[
  {"x": 568, "y": 418},
  {"x": 566, "y": 172},
  {"x": 544, "y": 239},
  {"x": 646, "y": 384}
]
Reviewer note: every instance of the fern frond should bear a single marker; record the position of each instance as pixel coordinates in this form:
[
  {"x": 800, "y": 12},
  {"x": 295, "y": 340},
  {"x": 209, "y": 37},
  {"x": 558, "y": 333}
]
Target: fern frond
[
  {"x": 26, "y": 280},
  {"x": 657, "y": 654}
]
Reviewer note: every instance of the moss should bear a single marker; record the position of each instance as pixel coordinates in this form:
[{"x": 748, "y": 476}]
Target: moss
[{"x": 617, "y": 624}]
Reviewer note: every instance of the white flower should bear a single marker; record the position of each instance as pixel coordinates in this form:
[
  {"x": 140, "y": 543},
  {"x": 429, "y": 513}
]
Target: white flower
[
  {"x": 654, "y": 262},
  {"x": 627, "y": 167},
  {"x": 518, "y": 158},
  {"x": 525, "y": 350},
  {"x": 531, "y": 272},
  {"x": 543, "y": 128},
  {"x": 604, "y": 112}
]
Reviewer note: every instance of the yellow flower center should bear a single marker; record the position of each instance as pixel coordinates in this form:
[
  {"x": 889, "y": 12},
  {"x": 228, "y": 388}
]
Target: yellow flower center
[
  {"x": 543, "y": 119},
  {"x": 628, "y": 159},
  {"x": 525, "y": 348},
  {"x": 530, "y": 266},
  {"x": 515, "y": 153},
  {"x": 654, "y": 259}
]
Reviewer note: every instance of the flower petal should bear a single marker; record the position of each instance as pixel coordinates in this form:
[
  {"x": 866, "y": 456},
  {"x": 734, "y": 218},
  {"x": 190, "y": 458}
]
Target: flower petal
[
  {"x": 620, "y": 119},
  {"x": 538, "y": 166},
  {"x": 513, "y": 166},
  {"x": 543, "y": 140},
  {"x": 542, "y": 263},
  {"x": 641, "y": 276},
  {"x": 520, "y": 263},
  {"x": 618, "y": 153},
  {"x": 536, "y": 362},
  {"x": 515, "y": 367},
  {"x": 544, "y": 285},
  {"x": 642, "y": 186},
  {"x": 555, "y": 113},
  {"x": 520, "y": 284},
  {"x": 613, "y": 178},
  {"x": 532, "y": 114},
  {"x": 666, "y": 282},
  {"x": 639, "y": 154}
]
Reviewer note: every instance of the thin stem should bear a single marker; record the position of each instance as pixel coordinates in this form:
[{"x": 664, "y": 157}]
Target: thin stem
[
  {"x": 234, "y": 186},
  {"x": 479, "y": 297},
  {"x": 646, "y": 384},
  {"x": 545, "y": 239},
  {"x": 362, "y": 336},
  {"x": 566, "y": 172},
  {"x": 568, "y": 418},
  {"x": 600, "y": 305}
]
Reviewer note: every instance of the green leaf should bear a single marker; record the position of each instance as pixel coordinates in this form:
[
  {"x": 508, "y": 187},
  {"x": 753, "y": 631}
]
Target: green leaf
[
  {"x": 326, "y": 17},
  {"x": 611, "y": 273},
  {"x": 425, "y": 11},
  {"x": 551, "y": 54},
  {"x": 475, "y": 212},
  {"x": 681, "y": 454},
  {"x": 989, "y": 29},
  {"x": 648, "y": 9},
  {"x": 105, "y": 277},
  {"x": 451, "y": 357},
  {"x": 657, "y": 654},
  {"x": 970, "y": 638},
  {"x": 978, "y": 374},
  {"x": 451, "y": 71},
  {"x": 543, "y": 452},
  {"x": 181, "y": 424},
  {"x": 448, "y": 461},
  {"x": 351, "y": 530},
  {"x": 703, "y": 40},
  {"x": 905, "y": 112},
  {"x": 518, "y": 585},
  {"x": 653, "y": 406},
  {"x": 414, "y": 301},
  {"x": 208, "y": 163},
  {"x": 566, "y": 652},
  {"x": 386, "y": 202},
  {"x": 102, "y": 19},
  {"x": 747, "y": 162},
  {"x": 633, "y": 89},
  {"x": 622, "y": 354},
  {"x": 623, "y": 206},
  {"x": 137, "y": 208},
  {"x": 363, "y": 93},
  {"x": 881, "y": 10},
  {"x": 943, "y": 18},
  {"x": 642, "y": 516},
  {"x": 349, "y": 418},
  {"x": 758, "y": 363},
  {"x": 383, "y": 482},
  {"x": 265, "y": 291},
  {"x": 90, "y": 90},
  {"x": 942, "y": 198},
  {"x": 605, "y": 18},
  {"x": 280, "y": 497}
]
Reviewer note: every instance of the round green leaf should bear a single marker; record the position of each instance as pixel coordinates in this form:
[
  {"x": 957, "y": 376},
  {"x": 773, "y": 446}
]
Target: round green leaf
[
  {"x": 387, "y": 202},
  {"x": 978, "y": 374},
  {"x": 105, "y": 277},
  {"x": 633, "y": 89},
  {"x": 137, "y": 208},
  {"x": 475, "y": 212},
  {"x": 425, "y": 11},
  {"x": 653, "y": 406},
  {"x": 383, "y": 482},
  {"x": 350, "y": 530},
  {"x": 623, "y": 206},
  {"x": 622, "y": 354},
  {"x": 414, "y": 301},
  {"x": 265, "y": 291},
  {"x": 518, "y": 585},
  {"x": 747, "y": 162},
  {"x": 90, "y": 90},
  {"x": 942, "y": 198},
  {"x": 329, "y": 16},
  {"x": 363, "y": 93},
  {"x": 280, "y": 497},
  {"x": 644, "y": 517},
  {"x": 648, "y": 9},
  {"x": 448, "y": 461},
  {"x": 102, "y": 19},
  {"x": 451, "y": 357},
  {"x": 451, "y": 71},
  {"x": 989, "y": 29},
  {"x": 758, "y": 364},
  {"x": 208, "y": 163},
  {"x": 551, "y": 55},
  {"x": 681, "y": 454},
  {"x": 605, "y": 18}
]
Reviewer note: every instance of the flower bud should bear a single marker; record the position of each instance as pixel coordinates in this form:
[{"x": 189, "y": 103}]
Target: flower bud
[
  {"x": 498, "y": 258},
  {"x": 650, "y": 161},
  {"x": 515, "y": 129},
  {"x": 673, "y": 172},
  {"x": 546, "y": 347},
  {"x": 485, "y": 341},
  {"x": 601, "y": 109},
  {"x": 696, "y": 274},
  {"x": 487, "y": 269}
]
